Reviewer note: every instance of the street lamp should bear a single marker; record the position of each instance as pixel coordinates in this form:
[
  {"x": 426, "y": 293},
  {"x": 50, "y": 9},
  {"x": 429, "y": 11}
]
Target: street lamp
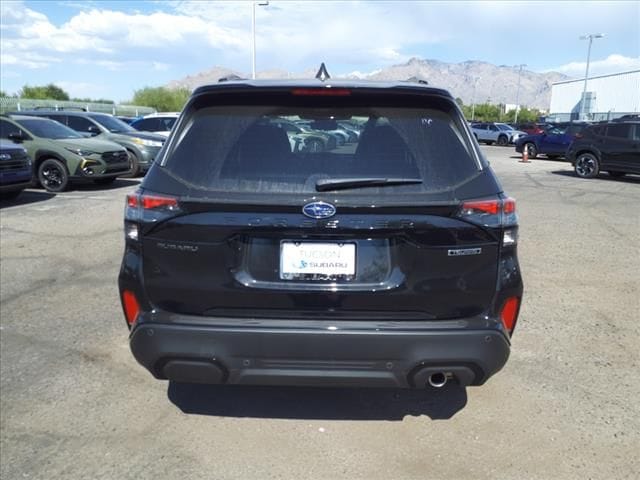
[
  {"x": 473, "y": 101},
  {"x": 520, "y": 67},
  {"x": 589, "y": 37},
  {"x": 253, "y": 35}
]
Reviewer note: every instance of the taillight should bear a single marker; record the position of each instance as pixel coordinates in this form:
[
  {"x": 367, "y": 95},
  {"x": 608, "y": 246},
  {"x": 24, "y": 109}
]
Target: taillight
[
  {"x": 131, "y": 306},
  {"x": 148, "y": 202},
  {"x": 509, "y": 313},
  {"x": 321, "y": 92},
  {"x": 496, "y": 212},
  {"x": 491, "y": 213},
  {"x": 147, "y": 208}
]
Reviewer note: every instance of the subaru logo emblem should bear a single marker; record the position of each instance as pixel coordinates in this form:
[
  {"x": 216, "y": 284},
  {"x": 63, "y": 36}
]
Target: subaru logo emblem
[{"x": 319, "y": 210}]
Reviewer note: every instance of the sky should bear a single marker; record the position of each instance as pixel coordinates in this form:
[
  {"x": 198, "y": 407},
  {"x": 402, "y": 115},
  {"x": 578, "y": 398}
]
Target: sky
[{"x": 109, "y": 49}]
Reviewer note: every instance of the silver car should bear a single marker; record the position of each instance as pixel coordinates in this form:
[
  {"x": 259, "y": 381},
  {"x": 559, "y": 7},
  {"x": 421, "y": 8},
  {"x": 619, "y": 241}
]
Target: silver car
[{"x": 499, "y": 133}]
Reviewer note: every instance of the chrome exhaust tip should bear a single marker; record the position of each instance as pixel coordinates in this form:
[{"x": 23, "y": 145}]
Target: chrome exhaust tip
[{"x": 438, "y": 380}]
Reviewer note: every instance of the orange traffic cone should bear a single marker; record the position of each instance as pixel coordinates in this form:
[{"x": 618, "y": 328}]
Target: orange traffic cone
[{"x": 525, "y": 155}]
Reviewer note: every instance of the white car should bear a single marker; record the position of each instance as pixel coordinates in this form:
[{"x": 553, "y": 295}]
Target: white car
[
  {"x": 499, "y": 133},
  {"x": 160, "y": 123}
]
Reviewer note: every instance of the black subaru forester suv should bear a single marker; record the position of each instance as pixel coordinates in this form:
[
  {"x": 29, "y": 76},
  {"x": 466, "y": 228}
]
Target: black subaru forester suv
[{"x": 389, "y": 260}]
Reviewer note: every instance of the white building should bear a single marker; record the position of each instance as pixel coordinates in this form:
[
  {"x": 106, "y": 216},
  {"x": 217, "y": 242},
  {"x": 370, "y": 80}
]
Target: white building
[{"x": 607, "y": 96}]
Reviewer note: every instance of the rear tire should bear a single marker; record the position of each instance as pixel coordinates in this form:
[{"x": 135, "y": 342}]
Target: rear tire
[
  {"x": 53, "y": 175},
  {"x": 587, "y": 165},
  {"x": 503, "y": 140},
  {"x": 617, "y": 174},
  {"x": 134, "y": 164},
  {"x": 531, "y": 149},
  {"x": 314, "y": 146}
]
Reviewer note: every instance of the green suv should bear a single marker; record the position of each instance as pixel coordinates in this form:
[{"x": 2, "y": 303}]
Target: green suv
[
  {"x": 61, "y": 155},
  {"x": 142, "y": 147}
]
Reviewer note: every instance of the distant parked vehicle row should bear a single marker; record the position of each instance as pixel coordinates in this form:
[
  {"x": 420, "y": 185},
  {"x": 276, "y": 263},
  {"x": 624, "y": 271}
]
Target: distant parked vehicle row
[
  {"x": 141, "y": 147},
  {"x": 61, "y": 155},
  {"x": 304, "y": 135},
  {"x": 613, "y": 147}
]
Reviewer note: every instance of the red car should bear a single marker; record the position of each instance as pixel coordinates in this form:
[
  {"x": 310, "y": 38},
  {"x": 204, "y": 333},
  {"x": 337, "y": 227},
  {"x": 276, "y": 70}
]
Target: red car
[{"x": 531, "y": 128}]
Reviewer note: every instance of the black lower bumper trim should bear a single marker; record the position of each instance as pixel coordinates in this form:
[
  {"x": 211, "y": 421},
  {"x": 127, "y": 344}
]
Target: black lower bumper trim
[{"x": 279, "y": 356}]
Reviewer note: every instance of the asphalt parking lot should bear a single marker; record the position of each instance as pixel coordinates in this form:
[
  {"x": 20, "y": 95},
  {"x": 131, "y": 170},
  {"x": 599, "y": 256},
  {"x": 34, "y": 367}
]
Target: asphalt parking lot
[{"x": 74, "y": 404}]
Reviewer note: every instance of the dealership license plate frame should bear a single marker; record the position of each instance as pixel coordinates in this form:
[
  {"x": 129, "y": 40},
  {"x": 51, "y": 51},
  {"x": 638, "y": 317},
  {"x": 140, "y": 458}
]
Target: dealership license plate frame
[{"x": 286, "y": 272}]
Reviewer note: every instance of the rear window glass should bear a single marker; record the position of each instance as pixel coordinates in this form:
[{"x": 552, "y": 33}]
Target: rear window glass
[{"x": 275, "y": 149}]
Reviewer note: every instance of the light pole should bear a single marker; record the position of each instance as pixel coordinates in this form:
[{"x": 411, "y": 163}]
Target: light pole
[
  {"x": 473, "y": 100},
  {"x": 520, "y": 67},
  {"x": 253, "y": 36},
  {"x": 589, "y": 37}
]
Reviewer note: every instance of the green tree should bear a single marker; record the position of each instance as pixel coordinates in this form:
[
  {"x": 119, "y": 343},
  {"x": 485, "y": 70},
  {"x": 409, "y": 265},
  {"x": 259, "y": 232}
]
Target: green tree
[
  {"x": 161, "y": 98},
  {"x": 44, "y": 92},
  {"x": 486, "y": 112},
  {"x": 3, "y": 94},
  {"x": 524, "y": 115}
]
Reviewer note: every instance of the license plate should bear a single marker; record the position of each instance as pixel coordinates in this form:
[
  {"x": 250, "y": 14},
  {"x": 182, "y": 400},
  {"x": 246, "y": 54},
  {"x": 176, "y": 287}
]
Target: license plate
[{"x": 315, "y": 260}]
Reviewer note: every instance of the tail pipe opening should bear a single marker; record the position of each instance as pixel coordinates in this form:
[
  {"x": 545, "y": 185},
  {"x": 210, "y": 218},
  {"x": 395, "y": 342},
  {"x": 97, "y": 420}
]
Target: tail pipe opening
[{"x": 438, "y": 379}]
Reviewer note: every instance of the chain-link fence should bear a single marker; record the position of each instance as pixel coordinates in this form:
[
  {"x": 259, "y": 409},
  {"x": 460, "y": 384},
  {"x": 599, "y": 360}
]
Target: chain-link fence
[{"x": 13, "y": 104}]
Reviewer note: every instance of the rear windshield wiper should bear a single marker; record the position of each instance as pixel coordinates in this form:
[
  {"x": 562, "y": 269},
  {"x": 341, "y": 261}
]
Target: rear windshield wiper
[{"x": 326, "y": 184}]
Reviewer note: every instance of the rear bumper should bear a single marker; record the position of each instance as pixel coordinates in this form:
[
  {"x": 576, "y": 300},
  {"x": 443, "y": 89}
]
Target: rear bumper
[{"x": 317, "y": 353}]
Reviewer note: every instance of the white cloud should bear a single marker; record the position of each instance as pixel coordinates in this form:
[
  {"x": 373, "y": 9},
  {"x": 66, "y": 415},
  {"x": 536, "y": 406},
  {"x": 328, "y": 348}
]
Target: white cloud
[
  {"x": 305, "y": 33},
  {"x": 104, "y": 33},
  {"x": 134, "y": 48},
  {"x": 612, "y": 64},
  {"x": 80, "y": 89}
]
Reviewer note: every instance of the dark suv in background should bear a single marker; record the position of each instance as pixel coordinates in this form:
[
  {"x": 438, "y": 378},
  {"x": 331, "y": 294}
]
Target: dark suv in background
[
  {"x": 142, "y": 147},
  {"x": 389, "y": 261},
  {"x": 613, "y": 147},
  {"x": 16, "y": 170}
]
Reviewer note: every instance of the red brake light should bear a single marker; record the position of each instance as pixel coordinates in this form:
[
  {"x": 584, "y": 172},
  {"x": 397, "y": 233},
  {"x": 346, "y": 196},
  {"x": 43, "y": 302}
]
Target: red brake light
[
  {"x": 509, "y": 206},
  {"x": 491, "y": 207},
  {"x": 509, "y": 313},
  {"x": 131, "y": 306},
  {"x": 322, "y": 92},
  {"x": 132, "y": 200},
  {"x": 149, "y": 202},
  {"x": 490, "y": 213}
]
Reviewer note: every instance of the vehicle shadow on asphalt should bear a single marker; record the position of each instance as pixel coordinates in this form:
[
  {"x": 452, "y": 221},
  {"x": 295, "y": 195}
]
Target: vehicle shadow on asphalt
[
  {"x": 26, "y": 197},
  {"x": 601, "y": 176},
  {"x": 90, "y": 186},
  {"x": 557, "y": 160},
  {"x": 317, "y": 403}
]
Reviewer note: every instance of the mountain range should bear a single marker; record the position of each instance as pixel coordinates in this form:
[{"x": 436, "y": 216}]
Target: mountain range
[{"x": 495, "y": 84}]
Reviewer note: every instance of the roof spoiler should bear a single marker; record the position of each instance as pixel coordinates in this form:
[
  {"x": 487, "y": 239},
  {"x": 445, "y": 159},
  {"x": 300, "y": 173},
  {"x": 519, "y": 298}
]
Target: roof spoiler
[
  {"x": 415, "y": 79},
  {"x": 230, "y": 78}
]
